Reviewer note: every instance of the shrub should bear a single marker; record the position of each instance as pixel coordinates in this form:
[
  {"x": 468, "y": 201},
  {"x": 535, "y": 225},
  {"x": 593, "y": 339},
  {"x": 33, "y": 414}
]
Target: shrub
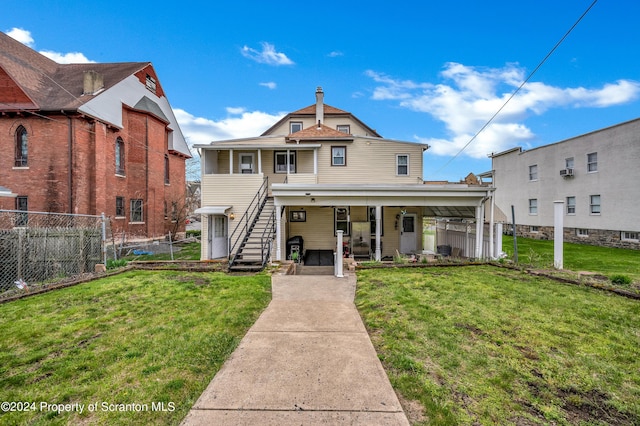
[
  {"x": 620, "y": 279},
  {"x": 112, "y": 264}
]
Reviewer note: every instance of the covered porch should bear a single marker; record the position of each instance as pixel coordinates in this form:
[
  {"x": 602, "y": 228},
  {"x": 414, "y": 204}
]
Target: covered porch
[{"x": 377, "y": 220}]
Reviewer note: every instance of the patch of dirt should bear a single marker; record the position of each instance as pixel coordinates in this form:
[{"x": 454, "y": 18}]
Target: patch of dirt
[
  {"x": 85, "y": 342},
  {"x": 413, "y": 409},
  {"x": 592, "y": 405},
  {"x": 473, "y": 329}
]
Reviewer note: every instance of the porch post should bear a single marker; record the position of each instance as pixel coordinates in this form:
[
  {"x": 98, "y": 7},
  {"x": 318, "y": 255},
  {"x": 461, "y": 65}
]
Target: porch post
[
  {"x": 288, "y": 165},
  {"x": 338, "y": 266},
  {"x": 259, "y": 161},
  {"x": 230, "y": 161},
  {"x": 315, "y": 161},
  {"x": 278, "y": 220},
  {"x": 491, "y": 234},
  {"x": 378, "y": 232},
  {"x": 479, "y": 226}
]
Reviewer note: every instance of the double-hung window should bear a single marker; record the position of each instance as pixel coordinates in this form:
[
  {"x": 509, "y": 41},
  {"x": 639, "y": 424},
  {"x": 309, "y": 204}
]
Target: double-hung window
[
  {"x": 594, "y": 204},
  {"x": 533, "y": 172},
  {"x": 592, "y": 162},
  {"x": 533, "y": 206},
  {"x": 119, "y": 206},
  {"x": 136, "y": 211},
  {"x": 571, "y": 205},
  {"x": 338, "y": 155},
  {"x": 402, "y": 164},
  {"x": 344, "y": 128},
  {"x": 281, "y": 162},
  {"x": 295, "y": 126}
]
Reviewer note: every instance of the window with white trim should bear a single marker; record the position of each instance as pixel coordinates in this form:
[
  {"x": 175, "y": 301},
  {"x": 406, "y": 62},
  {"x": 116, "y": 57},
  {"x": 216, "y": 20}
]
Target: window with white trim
[
  {"x": 402, "y": 164},
  {"x": 594, "y": 204},
  {"x": 280, "y": 158},
  {"x": 571, "y": 205},
  {"x": 295, "y": 126},
  {"x": 338, "y": 155},
  {"x": 581, "y": 232},
  {"x": 629, "y": 236},
  {"x": 533, "y": 172},
  {"x": 344, "y": 128},
  {"x": 533, "y": 206},
  {"x": 534, "y": 229},
  {"x": 568, "y": 163},
  {"x": 592, "y": 162}
]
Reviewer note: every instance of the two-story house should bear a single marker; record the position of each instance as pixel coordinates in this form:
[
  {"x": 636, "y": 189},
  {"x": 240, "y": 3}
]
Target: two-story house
[
  {"x": 89, "y": 139},
  {"x": 595, "y": 175},
  {"x": 317, "y": 171}
]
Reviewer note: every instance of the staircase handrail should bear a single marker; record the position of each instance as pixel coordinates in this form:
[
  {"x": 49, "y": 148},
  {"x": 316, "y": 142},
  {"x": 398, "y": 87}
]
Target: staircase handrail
[
  {"x": 267, "y": 237},
  {"x": 249, "y": 216}
]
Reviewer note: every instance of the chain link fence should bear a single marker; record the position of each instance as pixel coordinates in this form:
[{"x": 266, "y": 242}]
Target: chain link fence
[{"x": 37, "y": 248}]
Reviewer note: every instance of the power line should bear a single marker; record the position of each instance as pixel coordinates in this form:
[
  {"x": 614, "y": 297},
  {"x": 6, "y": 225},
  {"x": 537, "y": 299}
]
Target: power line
[{"x": 519, "y": 87}]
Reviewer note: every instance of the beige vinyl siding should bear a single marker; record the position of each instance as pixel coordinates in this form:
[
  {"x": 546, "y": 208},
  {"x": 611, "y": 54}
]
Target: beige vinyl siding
[
  {"x": 229, "y": 190},
  {"x": 369, "y": 161},
  {"x": 318, "y": 231}
]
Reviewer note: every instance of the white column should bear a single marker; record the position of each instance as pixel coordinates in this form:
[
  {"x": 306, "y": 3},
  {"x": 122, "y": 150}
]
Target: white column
[
  {"x": 315, "y": 161},
  {"x": 260, "y": 161},
  {"x": 479, "y": 226},
  {"x": 497, "y": 249},
  {"x": 230, "y": 161},
  {"x": 338, "y": 267},
  {"x": 492, "y": 253},
  {"x": 278, "y": 220},
  {"x": 558, "y": 233},
  {"x": 378, "y": 232},
  {"x": 288, "y": 165}
]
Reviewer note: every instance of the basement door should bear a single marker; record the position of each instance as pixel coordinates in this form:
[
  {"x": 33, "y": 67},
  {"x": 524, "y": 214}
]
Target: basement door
[
  {"x": 218, "y": 240},
  {"x": 408, "y": 234}
]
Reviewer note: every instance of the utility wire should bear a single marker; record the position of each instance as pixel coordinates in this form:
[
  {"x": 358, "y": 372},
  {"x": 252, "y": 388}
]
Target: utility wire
[{"x": 519, "y": 87}]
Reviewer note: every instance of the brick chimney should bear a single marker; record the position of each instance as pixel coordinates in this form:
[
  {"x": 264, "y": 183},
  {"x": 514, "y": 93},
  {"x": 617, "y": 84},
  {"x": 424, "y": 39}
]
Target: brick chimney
[
  {"x": 93, "y": 83},
  {"x": 319, "y": 106}
]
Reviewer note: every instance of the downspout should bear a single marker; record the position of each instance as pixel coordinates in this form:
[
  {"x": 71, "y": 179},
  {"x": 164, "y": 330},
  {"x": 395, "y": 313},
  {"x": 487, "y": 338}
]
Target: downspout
[{"x": 70, "y": 160}]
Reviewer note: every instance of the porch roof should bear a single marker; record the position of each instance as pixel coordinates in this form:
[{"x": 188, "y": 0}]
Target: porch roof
[
  {"x": 212, "y": 210},
  {"x": 453, "y": 200}
]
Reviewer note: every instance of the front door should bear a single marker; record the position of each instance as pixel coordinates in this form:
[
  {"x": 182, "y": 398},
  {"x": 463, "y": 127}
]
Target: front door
[
  {"x": 408, "y": 234},
  {"x": 218, "y": 240}
]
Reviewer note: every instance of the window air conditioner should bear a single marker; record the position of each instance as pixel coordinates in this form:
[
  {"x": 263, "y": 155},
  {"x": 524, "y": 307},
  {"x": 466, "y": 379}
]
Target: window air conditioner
[{"x": 566, "y": 172}]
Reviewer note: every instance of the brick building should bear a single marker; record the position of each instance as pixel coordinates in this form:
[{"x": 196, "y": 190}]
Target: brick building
[{"x": 89, "y": 139}]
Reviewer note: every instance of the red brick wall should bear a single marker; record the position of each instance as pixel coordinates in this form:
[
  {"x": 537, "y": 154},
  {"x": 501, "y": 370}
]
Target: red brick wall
[{"x": 93, "y": 181}]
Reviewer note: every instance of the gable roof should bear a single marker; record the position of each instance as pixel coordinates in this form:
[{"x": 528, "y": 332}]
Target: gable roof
[
  {"x": 314, "y": 132},
  {"x": 328, "y": 111},
  {"x": 51, "y": 86}
]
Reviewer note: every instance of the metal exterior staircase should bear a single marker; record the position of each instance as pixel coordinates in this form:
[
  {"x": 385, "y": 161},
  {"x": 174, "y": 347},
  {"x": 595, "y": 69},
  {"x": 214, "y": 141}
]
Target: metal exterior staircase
[{"x": 253, "y": 245}]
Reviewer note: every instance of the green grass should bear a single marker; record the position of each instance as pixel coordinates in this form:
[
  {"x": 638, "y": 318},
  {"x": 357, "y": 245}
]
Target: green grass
[
  {"x": 139, "y": 337},
  {"x": 486, "y": 345},
  {"x": 577, "y": 257}
]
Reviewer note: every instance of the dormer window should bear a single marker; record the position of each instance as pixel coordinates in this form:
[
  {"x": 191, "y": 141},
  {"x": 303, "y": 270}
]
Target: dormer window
[
  {"x": 344, "y": 128},
  {"x": 151, "y": 83},
  {"x": 295, "y": 126}
]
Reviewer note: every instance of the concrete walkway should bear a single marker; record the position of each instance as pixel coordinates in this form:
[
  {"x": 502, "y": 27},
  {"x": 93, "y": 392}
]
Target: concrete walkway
[{"x": 308, "y": 360}]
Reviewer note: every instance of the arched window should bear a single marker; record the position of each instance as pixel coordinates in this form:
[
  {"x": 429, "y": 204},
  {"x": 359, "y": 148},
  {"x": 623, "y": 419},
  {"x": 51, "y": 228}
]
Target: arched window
[
  {"x": 21, "y": 147},
  {"x": 119, "y": 156}
]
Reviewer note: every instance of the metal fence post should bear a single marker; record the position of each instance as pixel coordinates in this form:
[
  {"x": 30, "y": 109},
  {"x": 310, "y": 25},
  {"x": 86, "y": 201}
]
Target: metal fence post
[{"x": 104, "y": 239}]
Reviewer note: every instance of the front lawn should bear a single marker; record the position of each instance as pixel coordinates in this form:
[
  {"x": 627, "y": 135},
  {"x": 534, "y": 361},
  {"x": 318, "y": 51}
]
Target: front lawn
[
  {"x": 149, "y": 339},
  {"x": 486, "y": 345}
]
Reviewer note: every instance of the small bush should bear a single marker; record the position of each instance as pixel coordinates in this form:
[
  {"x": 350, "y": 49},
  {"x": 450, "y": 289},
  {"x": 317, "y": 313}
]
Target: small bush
[
  {"x": 112, "y": 264},
  {"x": 194, "y": 233},
  {"x": 620, "y": 279}
]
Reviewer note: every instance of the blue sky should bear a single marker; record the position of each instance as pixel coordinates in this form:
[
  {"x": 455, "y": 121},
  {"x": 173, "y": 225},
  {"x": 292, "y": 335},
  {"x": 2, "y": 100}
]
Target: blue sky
[{"x": 429, "y": 72}]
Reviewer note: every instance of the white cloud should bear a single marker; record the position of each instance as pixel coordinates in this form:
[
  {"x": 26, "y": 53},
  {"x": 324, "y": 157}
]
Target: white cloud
[
  {"x": 268, "y": 55},
  {"x": 335, "y": 54},
  {"x": 468, "y": 97},
  {"x": 269, "y": 84},
  {"x": 239, "y": 124},
  {"x": 67, "y": 58},
  {"x": 23, "y": 36}
]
